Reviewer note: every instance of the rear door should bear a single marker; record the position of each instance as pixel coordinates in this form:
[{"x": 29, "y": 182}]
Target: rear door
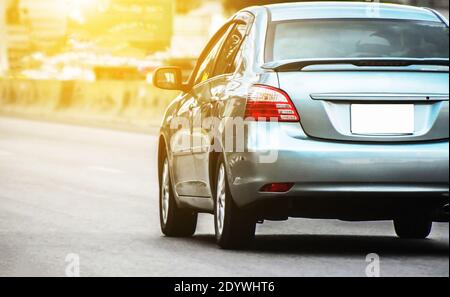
[
  {"x": 185, "y": 176},
  {"x": 195, "y": 185},
  {"x": 210, "y": 98}
]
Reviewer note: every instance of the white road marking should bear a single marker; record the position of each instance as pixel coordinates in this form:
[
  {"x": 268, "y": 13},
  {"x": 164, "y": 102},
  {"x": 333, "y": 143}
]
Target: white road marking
[{"x": 106, "y": 169}]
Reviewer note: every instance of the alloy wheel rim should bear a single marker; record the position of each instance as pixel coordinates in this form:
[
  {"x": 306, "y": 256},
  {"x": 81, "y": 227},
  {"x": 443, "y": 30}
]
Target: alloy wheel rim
[
  {"x": 221, "y": 199},
  {"x": 165, "y": 192}
]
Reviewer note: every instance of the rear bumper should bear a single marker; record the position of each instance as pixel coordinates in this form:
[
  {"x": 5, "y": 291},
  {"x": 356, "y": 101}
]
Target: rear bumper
[{"x": 335, "y": 169}]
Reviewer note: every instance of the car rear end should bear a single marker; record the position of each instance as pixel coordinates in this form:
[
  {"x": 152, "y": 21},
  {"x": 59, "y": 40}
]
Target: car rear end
[{"x": 362, "y": 126}]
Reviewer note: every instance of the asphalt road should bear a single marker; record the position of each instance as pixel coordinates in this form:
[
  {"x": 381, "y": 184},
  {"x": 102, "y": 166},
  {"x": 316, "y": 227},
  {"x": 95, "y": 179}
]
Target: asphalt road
[{"x": 92, "y": 192}]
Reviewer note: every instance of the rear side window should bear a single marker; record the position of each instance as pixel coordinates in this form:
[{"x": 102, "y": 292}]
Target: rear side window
[
  {"x": 322, "y": 39},
  {"x": 227, "y": 62},
  {"x": 206, "y": 68}
]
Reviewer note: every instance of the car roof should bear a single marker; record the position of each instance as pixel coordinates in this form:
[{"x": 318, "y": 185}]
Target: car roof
[{"x": 350, "y": 10}]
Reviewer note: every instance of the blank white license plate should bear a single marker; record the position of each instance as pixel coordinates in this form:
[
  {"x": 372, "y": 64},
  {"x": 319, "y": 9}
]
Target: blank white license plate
[{"x": 382, "y": 119}]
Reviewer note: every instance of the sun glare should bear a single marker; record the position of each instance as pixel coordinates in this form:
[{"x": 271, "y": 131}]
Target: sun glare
[{"x": 77, "y": 9}]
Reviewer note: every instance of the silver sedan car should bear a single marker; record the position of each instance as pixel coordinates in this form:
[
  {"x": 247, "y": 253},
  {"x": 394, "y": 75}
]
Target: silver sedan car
[{"x": 314, "y": 110}]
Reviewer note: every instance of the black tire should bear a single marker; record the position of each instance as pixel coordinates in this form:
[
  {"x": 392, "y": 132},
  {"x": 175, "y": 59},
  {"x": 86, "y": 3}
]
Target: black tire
[
  {"x": 179, "y": 222},
  {"x": 239, "y": 225},
  {"x": 413, "y": 227}
]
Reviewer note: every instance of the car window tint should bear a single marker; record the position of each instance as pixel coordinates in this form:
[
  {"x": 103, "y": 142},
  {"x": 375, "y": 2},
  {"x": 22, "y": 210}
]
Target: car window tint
[
  {"x": 227, "y": 62},
  {"x": 358, "y": 39},
  {"x": 205, "y": 71}
]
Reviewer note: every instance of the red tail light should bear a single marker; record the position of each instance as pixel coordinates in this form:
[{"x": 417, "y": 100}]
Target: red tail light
[
  {"x": 267, "y": 103},
  {"x": 277, "y": 188}
]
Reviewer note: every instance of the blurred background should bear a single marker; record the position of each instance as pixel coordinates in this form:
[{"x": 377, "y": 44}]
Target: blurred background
[{"x": 91, "y": 61}]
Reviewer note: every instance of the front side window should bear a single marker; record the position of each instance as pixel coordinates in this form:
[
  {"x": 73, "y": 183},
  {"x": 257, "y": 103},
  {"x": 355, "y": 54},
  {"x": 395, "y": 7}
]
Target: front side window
[{"x": 328, "y": 39}]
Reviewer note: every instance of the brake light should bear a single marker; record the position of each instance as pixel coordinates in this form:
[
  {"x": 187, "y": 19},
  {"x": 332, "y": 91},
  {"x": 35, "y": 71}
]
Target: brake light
[{"x": 266, "y": 103}]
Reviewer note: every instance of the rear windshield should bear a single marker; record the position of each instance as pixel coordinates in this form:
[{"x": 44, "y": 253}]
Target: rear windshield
[{"x": 321, "y": 39}]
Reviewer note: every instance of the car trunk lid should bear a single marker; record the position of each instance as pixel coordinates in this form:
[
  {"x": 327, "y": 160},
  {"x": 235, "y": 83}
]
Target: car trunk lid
[{"x": 378, "y": 104}]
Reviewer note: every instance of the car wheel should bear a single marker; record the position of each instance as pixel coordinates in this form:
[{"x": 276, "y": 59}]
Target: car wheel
[
  {"x": 413, "y": 227},
  {"x": 235, "y": 227},
  {"x": 175, "y": 222}
]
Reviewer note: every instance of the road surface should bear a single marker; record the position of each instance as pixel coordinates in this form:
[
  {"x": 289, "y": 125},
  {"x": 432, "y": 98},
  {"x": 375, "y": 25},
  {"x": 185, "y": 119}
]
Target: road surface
[{"x": 92, "y": 193}]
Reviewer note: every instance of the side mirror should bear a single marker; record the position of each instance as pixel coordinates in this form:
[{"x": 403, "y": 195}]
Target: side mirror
[{"x": 168, "y": 78}]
